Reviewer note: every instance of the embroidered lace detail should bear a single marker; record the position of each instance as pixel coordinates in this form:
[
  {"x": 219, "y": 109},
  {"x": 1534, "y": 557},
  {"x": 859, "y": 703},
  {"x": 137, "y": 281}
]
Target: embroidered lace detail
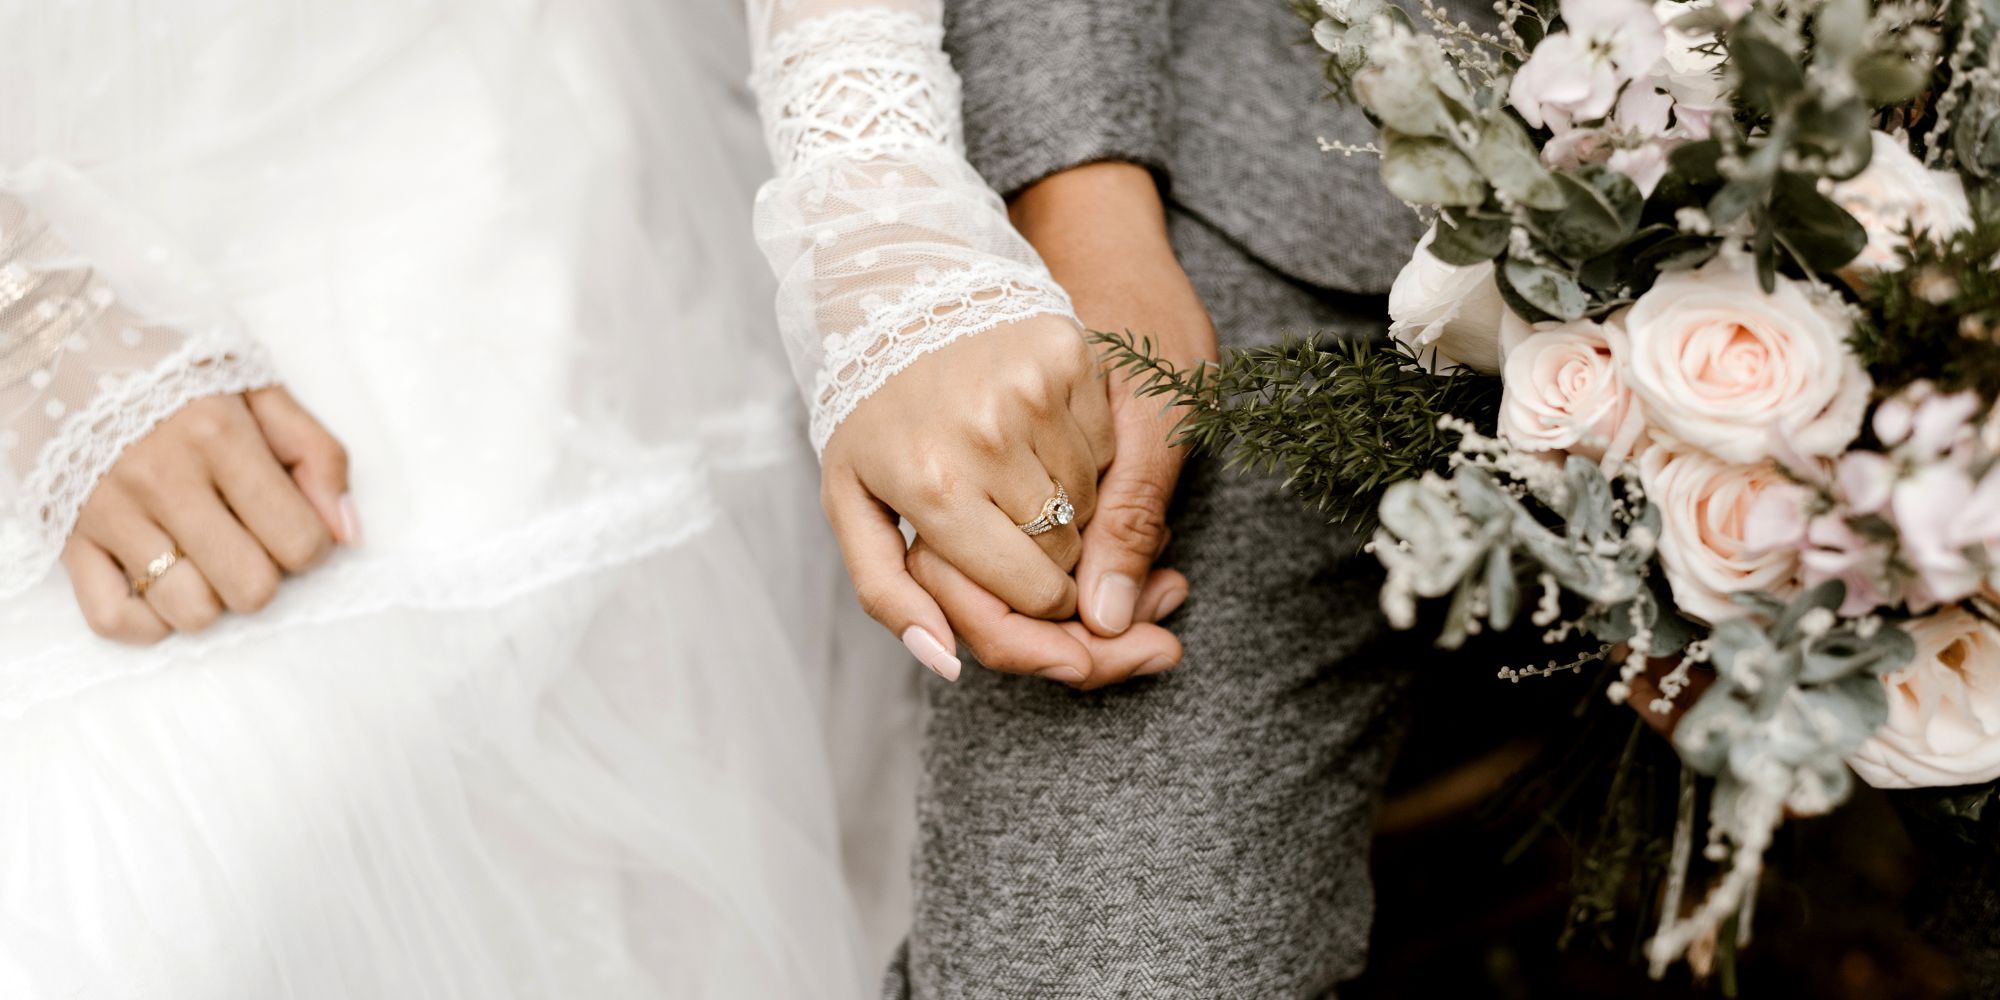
[
  {"x": 854, "y": 85},
  {"x": 886, "y": 243},
  {"x": 84, "y": 374},
  {"x": 89, "y": 440},
  {"x": 934, "y": 312}
]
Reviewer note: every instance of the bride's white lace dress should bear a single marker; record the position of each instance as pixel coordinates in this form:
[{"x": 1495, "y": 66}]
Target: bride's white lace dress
[{"x": 560, "y": 728}]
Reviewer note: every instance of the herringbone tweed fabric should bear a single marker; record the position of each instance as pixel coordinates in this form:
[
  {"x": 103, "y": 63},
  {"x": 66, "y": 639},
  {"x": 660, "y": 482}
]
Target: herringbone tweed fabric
[
  {"x": 1203, "y": 834},
  {"x": 1200, "y": 835}
]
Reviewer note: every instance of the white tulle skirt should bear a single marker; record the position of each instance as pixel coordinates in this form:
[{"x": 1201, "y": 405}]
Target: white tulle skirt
[{"x": 588, "y": 715}]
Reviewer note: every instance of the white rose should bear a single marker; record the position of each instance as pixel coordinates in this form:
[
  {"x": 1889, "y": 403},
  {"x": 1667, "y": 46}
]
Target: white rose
[
  {"x": 1747, "y": 376},
  {"x": 1706, "y": 546},
  {"x": 1944, "y": 709},
  {"x": 1560, "y": 392},
  {"x": 1449, "y": 315},
  {"x": 1896, "y": 193}
]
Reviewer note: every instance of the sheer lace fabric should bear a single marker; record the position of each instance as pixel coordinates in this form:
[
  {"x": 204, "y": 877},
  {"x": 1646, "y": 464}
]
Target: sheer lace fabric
[
  {"x": 886, "y": 243},
  {"x": 84, "y": 371}
]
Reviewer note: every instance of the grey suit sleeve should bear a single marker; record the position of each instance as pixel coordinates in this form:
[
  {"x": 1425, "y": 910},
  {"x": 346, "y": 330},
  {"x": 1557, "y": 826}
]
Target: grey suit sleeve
[{"x": 1052, "y": 84}]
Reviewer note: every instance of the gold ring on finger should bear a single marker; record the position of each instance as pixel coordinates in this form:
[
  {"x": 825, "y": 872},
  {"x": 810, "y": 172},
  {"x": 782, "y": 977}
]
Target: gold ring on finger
[
  {"x": 156, "y": 569},
  {"x": 1056, "y": 512}
]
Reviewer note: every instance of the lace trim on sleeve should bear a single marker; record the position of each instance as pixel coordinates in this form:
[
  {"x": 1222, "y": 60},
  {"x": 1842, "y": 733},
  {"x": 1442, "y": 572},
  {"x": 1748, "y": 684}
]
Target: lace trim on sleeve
[
  {"x": 941, "y": 307},
  {"x": 887, "y": 244},
  {"x": 83, "y": 377}
]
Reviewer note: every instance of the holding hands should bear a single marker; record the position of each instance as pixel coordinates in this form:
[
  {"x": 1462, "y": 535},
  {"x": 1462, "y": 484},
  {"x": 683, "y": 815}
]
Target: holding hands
[{"x": 969, "y": 443}]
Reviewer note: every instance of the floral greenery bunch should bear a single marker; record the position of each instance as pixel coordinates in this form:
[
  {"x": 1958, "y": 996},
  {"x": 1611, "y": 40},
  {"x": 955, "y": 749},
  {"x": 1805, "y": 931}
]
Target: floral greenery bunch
[{"x": 1696, "y": 365}]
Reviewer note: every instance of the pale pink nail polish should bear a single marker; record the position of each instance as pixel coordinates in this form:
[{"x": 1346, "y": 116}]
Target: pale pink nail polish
[
  {"x": 1117, "y": 596},
  {"x": 1172, "y": 602},
  {"x": 1063, "y": 675},
  {"x": 1156, "y": 665},
  {"x": 931, "y": 653},
  {"x": 350, "y": 521}
]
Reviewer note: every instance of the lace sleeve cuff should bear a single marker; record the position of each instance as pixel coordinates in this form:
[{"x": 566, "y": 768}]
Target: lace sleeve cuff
[
  {"x": 886, "y": 243},
  {"x": 97, "y": 347}
]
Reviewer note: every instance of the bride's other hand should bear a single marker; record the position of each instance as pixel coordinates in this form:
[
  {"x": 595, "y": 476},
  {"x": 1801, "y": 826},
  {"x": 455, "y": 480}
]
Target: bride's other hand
[
  {"x": 967, "y": 444},
  {"x": 218, "y": 503}
]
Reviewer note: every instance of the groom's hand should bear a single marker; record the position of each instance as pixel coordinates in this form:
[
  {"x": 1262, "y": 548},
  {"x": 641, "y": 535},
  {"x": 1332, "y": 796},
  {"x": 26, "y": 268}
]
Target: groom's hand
[{"x": 1102, "y": 230}]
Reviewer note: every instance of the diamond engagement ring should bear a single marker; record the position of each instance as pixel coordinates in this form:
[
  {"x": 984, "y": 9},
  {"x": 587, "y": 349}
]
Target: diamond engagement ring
[
  {"x": 1056, "y": 512},
  {"x": 156, "y": 569}
]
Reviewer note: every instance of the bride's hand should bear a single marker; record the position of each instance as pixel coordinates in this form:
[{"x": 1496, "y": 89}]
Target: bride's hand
[
  {"x": 967, "y": 444},
  {"x": 244, "y": 488}
]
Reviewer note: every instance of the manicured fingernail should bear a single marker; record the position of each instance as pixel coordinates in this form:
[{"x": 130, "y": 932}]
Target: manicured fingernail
[
  {"x": 931, "y": 653},
  {"x": 1157, "y": 665},
  {"x": 1063, "y": 675},
  {"x": 1172, "y": 602},
  {"x": 350, "y": 521},
  {"x": 1117, "y": 595}
]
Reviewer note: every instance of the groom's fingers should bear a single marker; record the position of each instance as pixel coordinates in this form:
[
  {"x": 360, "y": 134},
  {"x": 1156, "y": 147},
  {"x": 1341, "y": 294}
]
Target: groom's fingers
[
  {"x": 1128, "y": 533},
  {"x": 871, "y": 542}
]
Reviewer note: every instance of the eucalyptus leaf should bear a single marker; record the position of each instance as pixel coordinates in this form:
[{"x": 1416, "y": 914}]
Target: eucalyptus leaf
[
  {"x": 1822, "y": 233},
  {"x": 1510, "y": 161},
  {"x": 1400, "y": 94},
  {"x": 1736, "y": 198},
  {"x": 1678, "y": 254},
  {"x": 1703, "y": 735},
  {"x": 1847, "y": 653},
  {"x": 1764, "y": 249},
  {"x": 1430, "y": 171},
  {"x": 1770, "y": 76},
  {"x": 1601, "y": 208},
  {"x": 1551, "y": 294},
  {"x": 1467, "y": 238},
  {"x": 1826, "y": 597},
  {"x": 1844, "y": 713}
]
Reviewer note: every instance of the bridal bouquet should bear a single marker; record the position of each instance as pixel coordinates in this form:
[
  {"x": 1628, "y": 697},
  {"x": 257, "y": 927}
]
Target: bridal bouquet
[{"x": 1695, "y": 371}]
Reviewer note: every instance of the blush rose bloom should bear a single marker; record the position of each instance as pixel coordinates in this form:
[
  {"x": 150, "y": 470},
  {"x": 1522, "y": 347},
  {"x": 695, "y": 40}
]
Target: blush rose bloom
[
  {"x": 1706, "y": 547},
  {"x": 1744, "y": 375},
  {"x": 1895, "y": 193},
  {"x": 1560, "y": 392},
  {"x": 1944, "y": 709},
  {"x": 1450, "y": 315}
]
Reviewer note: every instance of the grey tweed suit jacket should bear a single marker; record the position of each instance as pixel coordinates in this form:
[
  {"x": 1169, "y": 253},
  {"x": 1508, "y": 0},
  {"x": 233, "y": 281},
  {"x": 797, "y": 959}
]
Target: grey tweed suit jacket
[{"x": 1203, "y": 833}]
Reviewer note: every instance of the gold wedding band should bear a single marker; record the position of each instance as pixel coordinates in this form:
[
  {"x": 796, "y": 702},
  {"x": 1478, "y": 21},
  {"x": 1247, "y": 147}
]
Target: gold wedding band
[{"x": 156, "y": 569}]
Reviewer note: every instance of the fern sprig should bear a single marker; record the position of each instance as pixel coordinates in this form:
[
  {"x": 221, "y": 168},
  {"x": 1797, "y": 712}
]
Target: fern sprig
[{"x": 1341, "y": 420}]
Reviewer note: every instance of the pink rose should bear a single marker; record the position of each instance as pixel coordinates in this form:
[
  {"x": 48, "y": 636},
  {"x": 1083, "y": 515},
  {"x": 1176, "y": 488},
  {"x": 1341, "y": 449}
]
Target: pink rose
[
  {"x": 1560, "y": 392},
  {"x": 1705, "y": 545},
  {"x": 1744, "y": 375},
  {"x": 1944, "y": 709}
]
